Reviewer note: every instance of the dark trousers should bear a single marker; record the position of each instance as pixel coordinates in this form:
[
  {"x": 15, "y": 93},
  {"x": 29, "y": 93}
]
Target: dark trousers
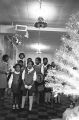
[{"x": 39, "y": 97}]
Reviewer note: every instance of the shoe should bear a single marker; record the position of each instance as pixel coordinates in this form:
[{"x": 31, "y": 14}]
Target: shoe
[
  {"x": 17, "y": 107},
  {"x": 29, "y": 111},
  {"x": 22, "y": 109},
  {"x": 14, "y": 107}
]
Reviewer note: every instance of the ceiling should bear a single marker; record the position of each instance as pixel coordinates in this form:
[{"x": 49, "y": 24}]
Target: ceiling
[{"x": 20, "y": 12}]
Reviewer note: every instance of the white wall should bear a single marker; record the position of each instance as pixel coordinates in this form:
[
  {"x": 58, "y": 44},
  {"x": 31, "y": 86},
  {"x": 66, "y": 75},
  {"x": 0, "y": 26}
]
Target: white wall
[
  {"x": 2, "y": 49},
  {"x": 34, "y": 55}
]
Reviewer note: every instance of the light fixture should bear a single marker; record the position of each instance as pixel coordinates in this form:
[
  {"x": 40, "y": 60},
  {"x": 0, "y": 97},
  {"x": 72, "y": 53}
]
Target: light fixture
[
  {"x": 39, "y": 47},
  {"x": 40, "y": 22}
]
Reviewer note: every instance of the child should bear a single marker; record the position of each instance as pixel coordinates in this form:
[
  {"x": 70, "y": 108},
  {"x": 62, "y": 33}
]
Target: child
[
  {"x": 3, "y": 75},
  {"x": 40, "y": 88},
  {"x": 22, "y": 69},
  {"x": 44, "y": 66},
  {"x": 38, "y": 65},
  {"x": 28, "y": 77},
  {"x": 48, "y": 90},
  {"x": 15, "y": 85},
  {"x": 22, "y": 57},
  {"x": 38, "y": 69}
]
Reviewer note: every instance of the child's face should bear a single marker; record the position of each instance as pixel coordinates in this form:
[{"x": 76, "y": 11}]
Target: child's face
[
  {"x": 53, "y": 65},
  {"x": 7, "y": 58},
  {"x": 40, "y": 79},
  {"x": 50, "y": 68},
  {"x": 71, "y": 106},
  {"x": 17, "y": 68},
  {"x": 37, "y": 61},
  {"x": 29, "y": 65},
  {"x": 45, "y": 61},
  {"x": 21, "y": 63}
]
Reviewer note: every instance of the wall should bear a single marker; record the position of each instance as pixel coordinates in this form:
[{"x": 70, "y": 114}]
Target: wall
[
  {"x": 2, "y": 51},
  {"x": 34, "y": 55}
]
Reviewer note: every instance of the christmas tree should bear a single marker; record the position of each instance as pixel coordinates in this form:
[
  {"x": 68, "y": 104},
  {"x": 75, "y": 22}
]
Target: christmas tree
[{"x": 65, "y": 79}]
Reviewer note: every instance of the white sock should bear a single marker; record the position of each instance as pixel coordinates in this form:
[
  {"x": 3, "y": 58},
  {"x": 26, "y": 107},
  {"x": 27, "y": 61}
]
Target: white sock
[
  {"x": 30, "y": 102},
  {"x": 23, "y": 101}
]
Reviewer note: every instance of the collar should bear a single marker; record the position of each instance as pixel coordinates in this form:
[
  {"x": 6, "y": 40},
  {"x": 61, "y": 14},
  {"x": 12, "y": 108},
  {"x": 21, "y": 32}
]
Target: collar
[
  {"x": 30, "y": 70},
  {"x": 45, "y": 65},
  {"x": 53, "y": 68},
  {"x": 16, "y": 72},
  {"x": 38, "y": 64}
]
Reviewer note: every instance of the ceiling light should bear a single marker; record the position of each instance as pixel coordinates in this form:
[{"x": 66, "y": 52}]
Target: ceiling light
[
  {"x": 40, "y": 23},
  {"x": 38, "y": 52},
  {"x": 39, "y": 46}
]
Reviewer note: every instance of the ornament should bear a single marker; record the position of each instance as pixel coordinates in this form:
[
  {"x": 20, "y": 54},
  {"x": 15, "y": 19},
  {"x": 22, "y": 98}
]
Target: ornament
[
  {"x": 69, "y": 48},
  {"x": 78, "y": 32},
  {"x": 67, "y": 36},
  {"x": 63, "y": 83},
  {"x": 17, "y": 38},
  {"x": 74, "y": 68}
]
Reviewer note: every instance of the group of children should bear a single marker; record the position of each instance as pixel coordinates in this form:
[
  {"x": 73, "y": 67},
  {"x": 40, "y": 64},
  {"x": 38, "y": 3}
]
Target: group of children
[{"x": 29, "y": 80}]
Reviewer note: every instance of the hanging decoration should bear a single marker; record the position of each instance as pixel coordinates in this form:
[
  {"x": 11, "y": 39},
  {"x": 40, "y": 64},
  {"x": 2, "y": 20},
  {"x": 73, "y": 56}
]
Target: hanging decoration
[
  {"x": 40, "y": 22},
  {"x": 20, "y": 33},
  {"x": 69, "y": 48},
  {"x": 17, "y": 38}
]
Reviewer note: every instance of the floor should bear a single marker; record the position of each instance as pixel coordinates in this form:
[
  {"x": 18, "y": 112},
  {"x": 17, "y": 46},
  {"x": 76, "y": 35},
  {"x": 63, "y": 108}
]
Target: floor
[{"x": 39, "y": 112}]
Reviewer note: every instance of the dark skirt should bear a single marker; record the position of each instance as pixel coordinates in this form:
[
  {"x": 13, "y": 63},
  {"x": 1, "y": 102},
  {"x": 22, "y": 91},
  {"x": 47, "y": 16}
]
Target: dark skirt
[{"x": 16, "y": 88}]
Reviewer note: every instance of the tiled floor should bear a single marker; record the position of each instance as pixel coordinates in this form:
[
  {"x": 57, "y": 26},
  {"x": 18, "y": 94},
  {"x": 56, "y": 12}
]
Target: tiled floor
[{"x": 39, "y": 112}]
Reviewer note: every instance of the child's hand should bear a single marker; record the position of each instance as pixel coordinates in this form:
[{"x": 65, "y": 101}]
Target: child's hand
[
  {"x": 26, "y": 86},
  {"x": 29, "y": 87}
]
